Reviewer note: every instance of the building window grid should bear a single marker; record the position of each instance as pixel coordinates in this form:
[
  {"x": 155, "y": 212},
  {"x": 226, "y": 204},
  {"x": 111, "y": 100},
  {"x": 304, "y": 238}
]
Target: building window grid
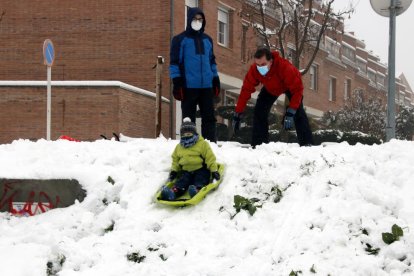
[
  {"x": 313, "y": 72},
  {"x": 332, "y": 46},
  {"x": 291, "y": 54},
  {"x": 243, "y": 51},
  {"x": 223, "y": 27},
  {"x": 372, "y": 75},
  {"x": 362, "y": 66},
  {"x": 347, "y": 88},
  {"x": 381, "y": 80},
  {"x": 348, "y": 53},
  {"x": 189, "y": 4},
  {"x": 332, "y": 89}
]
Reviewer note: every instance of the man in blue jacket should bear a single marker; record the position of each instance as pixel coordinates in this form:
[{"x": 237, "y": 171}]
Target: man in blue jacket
[{"x": 193, "y": 70}]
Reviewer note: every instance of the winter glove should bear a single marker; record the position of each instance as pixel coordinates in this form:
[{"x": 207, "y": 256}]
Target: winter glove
[
  {"x": 236, "y": 121},
  {"x": 172, "y": 176},
  {"x": 178, "y": 91},
  {"x": 216, "y": 175},
  {"x": 288, "y": 118},
  {"x": 216, "y": 86}
]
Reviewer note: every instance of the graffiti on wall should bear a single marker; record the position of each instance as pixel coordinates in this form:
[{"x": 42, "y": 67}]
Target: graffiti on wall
[{"x": 29, "y": 197}]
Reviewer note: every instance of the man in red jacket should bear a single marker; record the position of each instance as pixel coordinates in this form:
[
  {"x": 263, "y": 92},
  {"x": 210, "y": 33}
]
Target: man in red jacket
[{"x": 278, "y": 76}]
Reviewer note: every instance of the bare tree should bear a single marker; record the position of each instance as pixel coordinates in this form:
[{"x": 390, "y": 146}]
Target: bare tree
[{"x": 302, "y": 23}]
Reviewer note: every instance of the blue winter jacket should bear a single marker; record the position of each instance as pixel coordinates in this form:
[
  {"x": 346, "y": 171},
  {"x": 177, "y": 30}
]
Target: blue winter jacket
[{"x": 192, "y": 56}]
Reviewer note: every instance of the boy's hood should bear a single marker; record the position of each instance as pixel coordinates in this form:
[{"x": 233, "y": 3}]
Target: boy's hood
[{"x": 190, "y": 15}]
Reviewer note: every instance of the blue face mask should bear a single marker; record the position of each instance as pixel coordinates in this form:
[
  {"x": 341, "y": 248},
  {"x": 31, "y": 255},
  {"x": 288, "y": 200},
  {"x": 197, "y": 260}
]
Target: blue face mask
[{"x": 262, "y": 69}]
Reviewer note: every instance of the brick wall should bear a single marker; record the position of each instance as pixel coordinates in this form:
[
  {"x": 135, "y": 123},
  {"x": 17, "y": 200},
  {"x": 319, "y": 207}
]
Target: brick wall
[
  {"x": 120, "y": 40},
  {"x": 94, "y": 40},
  {"x": 81, "y": 112}
]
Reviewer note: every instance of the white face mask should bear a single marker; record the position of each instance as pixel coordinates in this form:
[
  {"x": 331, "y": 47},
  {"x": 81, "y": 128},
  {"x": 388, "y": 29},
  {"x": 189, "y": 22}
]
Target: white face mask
[{"x": 196, "y": 25}]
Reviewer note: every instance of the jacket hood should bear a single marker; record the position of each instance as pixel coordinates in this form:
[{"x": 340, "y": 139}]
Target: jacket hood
[{"x": 191, "y": 13}]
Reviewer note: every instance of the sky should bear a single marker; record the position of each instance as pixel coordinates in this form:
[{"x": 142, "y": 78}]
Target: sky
[
  {"x": 336, "y": 202},
  {"x": 374, "y": 29}
]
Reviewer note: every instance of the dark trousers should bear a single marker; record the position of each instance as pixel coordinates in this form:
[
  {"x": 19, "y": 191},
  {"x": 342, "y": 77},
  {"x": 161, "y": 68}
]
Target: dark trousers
[
  {"x": 198, "y": 178},
  {"x": 261, "y": 122},
  {"x": 204, "y": 99}
]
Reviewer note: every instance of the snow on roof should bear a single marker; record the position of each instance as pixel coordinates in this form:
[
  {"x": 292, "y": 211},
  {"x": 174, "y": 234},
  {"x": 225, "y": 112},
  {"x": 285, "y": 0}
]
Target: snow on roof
[{"x": 348, "y": 45}]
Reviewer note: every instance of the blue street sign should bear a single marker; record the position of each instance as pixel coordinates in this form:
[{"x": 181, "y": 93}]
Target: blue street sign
[{"x": 48, "y": 52}]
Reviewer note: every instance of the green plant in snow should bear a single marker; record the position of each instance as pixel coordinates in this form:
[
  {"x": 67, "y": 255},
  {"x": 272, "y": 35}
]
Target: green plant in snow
[
  {"x": 295, "y": 273},
  {"x": 111, "y": 180},
  {"x": 135, "y": 257},
  {"x": 396, "y": 233},
  {"x": 242, "y": 203},
  {"x": 312, "y": 269},
  {"x": 54, "y": 267},
  {"x": 371, "y": 250},
  {"x": 110, "y": 227},
  {"x": 278, "y": 194}
]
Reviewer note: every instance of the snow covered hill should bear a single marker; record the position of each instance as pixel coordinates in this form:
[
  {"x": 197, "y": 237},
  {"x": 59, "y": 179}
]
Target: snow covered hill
[{"x": 336, "y": 203}]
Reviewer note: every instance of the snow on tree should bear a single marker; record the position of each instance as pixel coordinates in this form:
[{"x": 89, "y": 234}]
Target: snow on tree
[
  {"x": 359, "y": 114},
  {"x": 405, "y": 123}
]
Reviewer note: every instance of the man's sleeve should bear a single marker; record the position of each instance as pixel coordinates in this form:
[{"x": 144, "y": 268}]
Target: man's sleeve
[
  {"x": 175, "y": 57},
  {"x": 293, "y": 81},
  {"x": 213, "y": 59},
  {"x": 249, "y": 84}
]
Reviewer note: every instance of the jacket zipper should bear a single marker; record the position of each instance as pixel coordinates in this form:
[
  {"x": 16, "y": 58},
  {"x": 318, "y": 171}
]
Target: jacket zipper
[{"x": 201, "y": 60}]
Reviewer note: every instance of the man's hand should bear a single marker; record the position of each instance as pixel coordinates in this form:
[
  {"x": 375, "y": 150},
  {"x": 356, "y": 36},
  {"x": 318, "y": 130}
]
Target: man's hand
[
  {"x": 288, "y": 121},
  {"x": 216, "y": 86},
  {"x": 178, "y": 91}
]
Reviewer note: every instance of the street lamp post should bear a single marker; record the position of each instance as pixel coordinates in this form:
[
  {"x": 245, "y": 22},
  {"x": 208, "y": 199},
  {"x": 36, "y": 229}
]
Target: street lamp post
[{"x": 391, "y": 8}]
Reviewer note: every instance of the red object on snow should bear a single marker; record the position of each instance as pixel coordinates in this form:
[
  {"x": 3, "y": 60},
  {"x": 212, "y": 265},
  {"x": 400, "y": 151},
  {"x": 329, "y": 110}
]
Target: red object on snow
[{"x": 65, "y": 137}]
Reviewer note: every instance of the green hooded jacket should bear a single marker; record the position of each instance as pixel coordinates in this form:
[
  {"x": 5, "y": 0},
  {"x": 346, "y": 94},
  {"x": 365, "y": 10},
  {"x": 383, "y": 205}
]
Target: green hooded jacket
[{"x": 193, "y": 158}]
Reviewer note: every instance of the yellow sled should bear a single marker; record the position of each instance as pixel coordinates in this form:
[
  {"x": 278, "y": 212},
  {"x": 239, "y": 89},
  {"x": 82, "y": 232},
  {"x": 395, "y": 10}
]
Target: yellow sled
[{"x": 185, "y": 199}]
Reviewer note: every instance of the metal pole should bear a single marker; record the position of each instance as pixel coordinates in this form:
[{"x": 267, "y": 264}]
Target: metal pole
[
  {"x": 171, "y": 97},
  {"x": 160, "y": 62},
  {"x": 390, "y": 131},
  {"x": 49, "y": 101}
]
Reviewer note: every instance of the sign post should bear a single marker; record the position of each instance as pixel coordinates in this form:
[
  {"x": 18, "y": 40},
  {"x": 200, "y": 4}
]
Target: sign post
[
  {"x": 390, "y": 8},
  {"x": 48, "y": 57},
  {"x": 158, "y": 91}
]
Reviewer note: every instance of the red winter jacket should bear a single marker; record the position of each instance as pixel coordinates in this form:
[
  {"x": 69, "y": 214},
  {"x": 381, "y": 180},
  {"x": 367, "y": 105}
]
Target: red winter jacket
[{"x": 281, "y": 77}]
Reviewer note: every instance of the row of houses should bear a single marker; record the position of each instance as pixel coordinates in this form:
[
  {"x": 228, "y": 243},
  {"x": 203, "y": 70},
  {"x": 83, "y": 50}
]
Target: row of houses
[{"x": 104, "y": 75}]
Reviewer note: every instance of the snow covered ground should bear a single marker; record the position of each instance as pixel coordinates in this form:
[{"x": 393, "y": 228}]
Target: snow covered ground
[{"x": 336, "y": 200}]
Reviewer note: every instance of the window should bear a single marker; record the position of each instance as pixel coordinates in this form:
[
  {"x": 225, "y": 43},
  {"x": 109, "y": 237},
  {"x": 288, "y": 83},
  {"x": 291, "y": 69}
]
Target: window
[
  {"x": 291, "y": 54},
  {"x": 189, "y": 4},
  {"x": 243, "y": 51},
  {"x": 313, "y": 73},
  {"x": 362, "y": 65},
  {"x": 371, "y": 75},
  {"x": 381, "y": 79},
  {"x": 229, "y": 99},
  {"x": 223, "y": 27},
  {"x": 261, "y": 40},
  {"x": 332, "y": 46},
  {"x": 348, "y": 52},
  {"x": 347, "y": 89},
  {"x": 332, "y": 89}
]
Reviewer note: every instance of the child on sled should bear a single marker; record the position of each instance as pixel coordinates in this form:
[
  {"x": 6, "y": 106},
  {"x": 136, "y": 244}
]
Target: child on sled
[{"x": 193, "y": 160}]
